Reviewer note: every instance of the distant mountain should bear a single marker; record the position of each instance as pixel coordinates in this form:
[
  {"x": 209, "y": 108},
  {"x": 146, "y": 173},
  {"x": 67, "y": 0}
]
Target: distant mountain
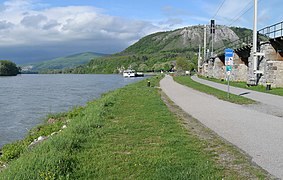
[
  {"x": 62, "y": 62},
  {"x": 181, "y": 40}
]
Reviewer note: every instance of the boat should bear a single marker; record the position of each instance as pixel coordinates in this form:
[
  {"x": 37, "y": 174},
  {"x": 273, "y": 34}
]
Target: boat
[
  {"x": 132, "y": 73},
  {"x": 129, "y": 73},
  {"x": 139, "y": 74}
]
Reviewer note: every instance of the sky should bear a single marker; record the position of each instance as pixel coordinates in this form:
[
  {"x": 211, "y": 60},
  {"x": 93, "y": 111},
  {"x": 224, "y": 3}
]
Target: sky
[{"x": 36, "y": 30}]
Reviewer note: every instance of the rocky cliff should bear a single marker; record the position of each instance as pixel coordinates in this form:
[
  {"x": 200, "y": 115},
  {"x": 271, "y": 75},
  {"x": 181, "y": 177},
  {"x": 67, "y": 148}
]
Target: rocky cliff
[{"x": 183, "y": 39}]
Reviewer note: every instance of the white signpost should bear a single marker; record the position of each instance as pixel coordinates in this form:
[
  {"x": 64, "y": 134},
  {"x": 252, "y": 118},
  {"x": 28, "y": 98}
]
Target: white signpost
[{"x": 229, "y": 54}]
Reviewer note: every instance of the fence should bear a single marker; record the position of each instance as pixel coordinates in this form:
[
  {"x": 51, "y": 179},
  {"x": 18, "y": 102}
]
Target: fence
[{"x": 273, "y": 31}]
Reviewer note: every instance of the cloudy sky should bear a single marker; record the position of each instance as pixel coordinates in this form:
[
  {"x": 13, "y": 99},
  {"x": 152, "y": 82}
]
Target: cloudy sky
[{"x": 35, "y": 30}]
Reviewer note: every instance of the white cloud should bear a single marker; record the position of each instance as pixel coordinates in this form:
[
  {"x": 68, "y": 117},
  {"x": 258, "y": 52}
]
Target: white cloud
[
  {"x": 24, "y": 25},
  {"x": 174, "y": 12}
]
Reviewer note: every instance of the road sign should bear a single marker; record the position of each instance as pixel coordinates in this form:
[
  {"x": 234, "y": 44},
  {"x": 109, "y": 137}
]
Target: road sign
[
  {"x": 228, "y": 68},
  {"x": 229, "y": 54}
]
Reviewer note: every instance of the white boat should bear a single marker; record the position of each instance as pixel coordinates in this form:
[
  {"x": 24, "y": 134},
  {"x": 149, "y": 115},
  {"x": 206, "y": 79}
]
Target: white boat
[
  {"x": 129, "y": 73},
  {"x": 139, "y": 74}
]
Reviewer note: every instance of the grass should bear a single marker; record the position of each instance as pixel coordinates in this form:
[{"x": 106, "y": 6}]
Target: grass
[
  {"x": 127, "y": 134},
  {"x": 186, "y": 80},
  {"x": 260, "y": 88}
]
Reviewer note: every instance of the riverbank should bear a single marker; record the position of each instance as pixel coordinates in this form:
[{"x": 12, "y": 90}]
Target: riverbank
[
  {"x": 127, "y": 134},
  {"x": 27, "y": 99}
]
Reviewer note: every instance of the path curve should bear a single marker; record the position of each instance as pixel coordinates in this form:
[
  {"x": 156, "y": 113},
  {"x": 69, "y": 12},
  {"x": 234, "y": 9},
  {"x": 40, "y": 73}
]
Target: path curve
[
  {"x": 270, "y": 104},
  {"x": 259, "y": 134}
]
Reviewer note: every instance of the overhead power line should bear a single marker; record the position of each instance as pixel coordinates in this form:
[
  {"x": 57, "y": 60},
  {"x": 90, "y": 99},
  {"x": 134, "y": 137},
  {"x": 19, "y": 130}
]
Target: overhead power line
[
  {"x": 243, "y": 12},
  {"x": 219, "y": 8}
]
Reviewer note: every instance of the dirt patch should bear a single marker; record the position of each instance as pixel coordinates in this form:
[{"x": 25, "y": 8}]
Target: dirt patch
[{"x": 235, "y": 162}]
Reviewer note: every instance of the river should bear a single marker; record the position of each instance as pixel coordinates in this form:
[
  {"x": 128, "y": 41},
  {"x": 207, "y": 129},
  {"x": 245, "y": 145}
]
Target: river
[{"x": 25, "y": 100}]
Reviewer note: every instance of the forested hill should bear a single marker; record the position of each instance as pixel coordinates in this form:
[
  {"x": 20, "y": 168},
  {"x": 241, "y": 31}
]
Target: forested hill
[
  {"x": 161, "y": 50},
  {"x": 61, "y": 63}
]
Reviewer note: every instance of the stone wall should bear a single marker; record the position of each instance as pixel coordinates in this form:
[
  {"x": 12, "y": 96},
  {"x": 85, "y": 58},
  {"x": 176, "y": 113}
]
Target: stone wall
[
  {"x": 217, "y": 69},
  {"x": 239, "y": 69},
  {"x": 272, "y": 66}
]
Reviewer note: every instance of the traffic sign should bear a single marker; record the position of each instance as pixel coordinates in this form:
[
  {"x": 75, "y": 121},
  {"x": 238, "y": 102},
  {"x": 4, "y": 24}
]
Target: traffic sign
[
  {"x": 228, "y": 68},
  {"x": 229, "y": 54}
]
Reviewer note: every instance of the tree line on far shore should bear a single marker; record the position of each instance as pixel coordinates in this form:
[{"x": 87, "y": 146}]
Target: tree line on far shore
[{"x": 8, "y": 68}]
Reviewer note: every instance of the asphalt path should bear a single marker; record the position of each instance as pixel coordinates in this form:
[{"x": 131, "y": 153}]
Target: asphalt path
[
  {"x": 268, "y": 103},
  {"x": 259, "y": 134}
]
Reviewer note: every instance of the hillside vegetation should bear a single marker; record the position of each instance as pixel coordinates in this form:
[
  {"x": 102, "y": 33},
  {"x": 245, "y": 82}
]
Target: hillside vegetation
[
  {"x": 8, "y": 68},
  {"x": 161, "y": 50},
  {"x": 62, "y": 62}
]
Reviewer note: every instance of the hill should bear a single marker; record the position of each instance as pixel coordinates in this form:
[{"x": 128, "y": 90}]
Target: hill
[
  {"x": 62, "y": 62},
  {"x": 161, "y": 50}
]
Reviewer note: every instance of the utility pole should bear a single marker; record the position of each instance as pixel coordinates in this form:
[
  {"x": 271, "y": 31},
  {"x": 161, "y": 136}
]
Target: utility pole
[
  {"x": 204, "y": 43},
  {"x": 199, "y": 58},
  {"x": 255, "y": 58}
]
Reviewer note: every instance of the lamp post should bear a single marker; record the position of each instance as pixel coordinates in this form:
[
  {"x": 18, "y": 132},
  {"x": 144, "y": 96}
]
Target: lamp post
[{"x": 255, "y": 58}]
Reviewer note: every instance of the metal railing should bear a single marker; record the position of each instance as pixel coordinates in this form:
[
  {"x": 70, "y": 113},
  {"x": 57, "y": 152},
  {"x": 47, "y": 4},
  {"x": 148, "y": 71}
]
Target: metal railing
[
  {"x": 273, "y": 31},
  {"x": 239, "y": 43},
  {"x": 270, "y": 32}
]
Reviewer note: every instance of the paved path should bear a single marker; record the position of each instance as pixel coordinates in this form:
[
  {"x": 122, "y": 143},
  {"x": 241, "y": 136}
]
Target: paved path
[
  {"x": 270, "y": 104},
  {"x": 258, "y": 134}
]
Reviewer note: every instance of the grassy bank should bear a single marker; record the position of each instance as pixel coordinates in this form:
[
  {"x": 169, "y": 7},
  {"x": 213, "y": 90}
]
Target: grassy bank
[
  {"x": 186, "y": 80},
  {"x": 260, "y": 88},
  {"x": 127, "y": 134}
]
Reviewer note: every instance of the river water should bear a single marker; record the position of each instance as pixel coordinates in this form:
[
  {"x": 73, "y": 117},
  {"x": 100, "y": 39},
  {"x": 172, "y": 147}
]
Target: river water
[{"x": 25, "y": 100}]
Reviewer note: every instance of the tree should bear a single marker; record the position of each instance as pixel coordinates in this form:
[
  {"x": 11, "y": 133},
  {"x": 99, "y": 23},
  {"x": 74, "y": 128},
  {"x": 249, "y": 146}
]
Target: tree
[
  {"x": 8, "y": 68},
  {"x": 157, "y": 67},
  {"x": 182, "y": 64},
  {"x": 134, "y": 66},
  {"x": 143, "y": 67}
]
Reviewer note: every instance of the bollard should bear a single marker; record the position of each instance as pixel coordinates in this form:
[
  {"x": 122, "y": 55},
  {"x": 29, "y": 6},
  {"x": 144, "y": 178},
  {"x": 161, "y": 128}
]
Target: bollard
[
  {"x": 148, "y": 83},
  {"x": 268, "y": 86}
]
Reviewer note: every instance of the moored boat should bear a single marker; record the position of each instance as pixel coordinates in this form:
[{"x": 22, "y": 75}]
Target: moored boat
[
  {"x": 139, "y": 74},
  {"x": 129, "y": 73},
  {"x": 132, "y": 73}
]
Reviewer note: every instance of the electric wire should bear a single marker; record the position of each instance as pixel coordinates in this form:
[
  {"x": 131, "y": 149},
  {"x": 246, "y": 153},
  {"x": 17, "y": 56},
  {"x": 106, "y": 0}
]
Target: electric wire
[
  {"x": 246, "y": 9},
  {"x": 219, "y": 9},
  {"x": 236, "y": 18}
]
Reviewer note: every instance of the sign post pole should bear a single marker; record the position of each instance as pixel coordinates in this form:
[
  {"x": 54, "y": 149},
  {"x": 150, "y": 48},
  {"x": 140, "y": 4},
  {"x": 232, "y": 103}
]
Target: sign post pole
[{"x": 228, "y": 94}]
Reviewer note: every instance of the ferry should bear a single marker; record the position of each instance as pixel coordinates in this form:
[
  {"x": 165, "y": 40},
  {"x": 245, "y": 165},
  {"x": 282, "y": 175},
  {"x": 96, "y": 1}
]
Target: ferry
[
  {"x": 129, "y": 73},
  {"x": 132, "y": 73}
]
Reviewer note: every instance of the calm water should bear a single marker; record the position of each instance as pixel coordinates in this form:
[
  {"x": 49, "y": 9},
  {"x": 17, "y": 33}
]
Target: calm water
[{"x": 26, "y": 99}]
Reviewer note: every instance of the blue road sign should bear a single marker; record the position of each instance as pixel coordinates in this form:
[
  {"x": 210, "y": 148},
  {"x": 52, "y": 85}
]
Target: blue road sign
[{"x": 229, "y": 54}]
